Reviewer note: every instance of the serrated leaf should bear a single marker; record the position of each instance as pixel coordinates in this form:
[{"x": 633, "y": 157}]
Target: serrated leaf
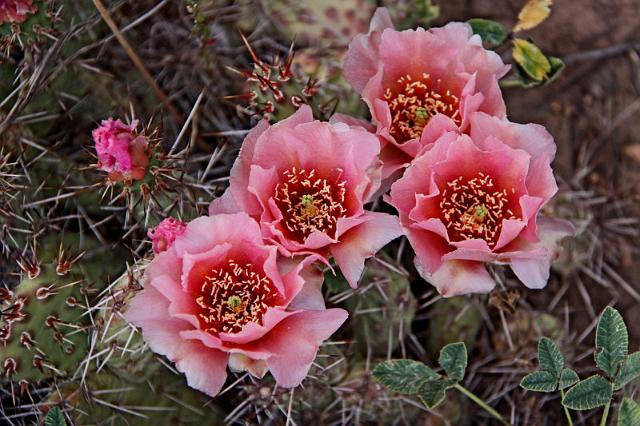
[
  {"x": 629, "y": 371},
  {"x": 433, "y": 392},
  {"x": 453, "y": 359},
  {"x": 590, "y": 393},
  {"x": 568, "y": 377},
  {"x": 531, "y": 59},
  {"x": 612, "y": 341},
  {"x": 629, "y": 413},
  {"x": 539, "y": 381},
  {"x": 403, "y": 375},
  {"x": 550, "y": 358},
  {"x": 492, "y": 33},
  {"x": 55, "y": 418},
  {"x": 533, "y": 14}
]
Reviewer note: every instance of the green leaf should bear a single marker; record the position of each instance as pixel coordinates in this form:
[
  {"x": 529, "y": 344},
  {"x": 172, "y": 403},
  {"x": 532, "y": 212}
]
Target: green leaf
[
  {"x": 492, "y": 33},
  {"x": 568, "y": 377},
  {"x": 521, "y": 79},
  {"x": 629, "y": 413},
  {"x": 612, "y": 341},
  {"x": 550, "y": 358},
  {"x": 539, "y": 381},
  {"x": 453, "y": 358},
  {"x": 590, "y": 393},
  {"x": 433, "y": 392},
  {"x": 55, "y": 418},
  {"x": 557, "y": 66},
  {"x": 530, "y": 59},
  {"x": 629, "y": 371},
  {"x": 403, "y": 375}
]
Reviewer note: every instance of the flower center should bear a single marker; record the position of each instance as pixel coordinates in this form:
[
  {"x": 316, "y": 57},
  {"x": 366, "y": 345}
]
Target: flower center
[
  {"x": 309, "y": 202},
  {"x": 415, "y": 101},
  {"x": 234, "y": 295},
  {"x": 474, "y": 208}
]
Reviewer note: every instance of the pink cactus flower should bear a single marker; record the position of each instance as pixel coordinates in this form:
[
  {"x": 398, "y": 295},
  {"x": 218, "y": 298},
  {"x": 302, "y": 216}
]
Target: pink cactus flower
[
  {"x": 475, "y": 198},
  {"x": 165, "y": 234},
  {"x": 421, "y": 83},
  {"x": 122, "y": 152},
  {"x": 16, "y": 11},
  {"x": 219, "y": 296},
  {"x": 306, "y": 183}
]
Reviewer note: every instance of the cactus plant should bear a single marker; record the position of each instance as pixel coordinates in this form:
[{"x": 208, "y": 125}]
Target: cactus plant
[
  {"x": 125, "y": 380},
  {"x": 33, "y": 24},
  {"x": 384, "y": 313},
  {"x": 42, "y": 327},
  {"x": 333, "y": 22}
]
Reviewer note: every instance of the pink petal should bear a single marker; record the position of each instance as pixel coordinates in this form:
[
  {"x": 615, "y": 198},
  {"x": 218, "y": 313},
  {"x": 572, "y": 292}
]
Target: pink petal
[
  {"x": 262, "y": 183},
  {"x": 207, "y": 339},
  {"x": 393, "y": 159},
  {"x": 540, "y": 180},
  {"x": 352, "y": 121},
  {"x": 429, "y": 248},
  {"x": 435, "y": 128},
  {"x": 149, "y": 310},
  {"x": 195, "y": 267},
  {"x": 206, "y": 232},
  {"x": 511, "y": 228},
  {"x": 533, "y": 138},
  {"x": 476, "y": 250},
  {"x": 179, "y": 301},
  {"x": 205, "y": 368},
  {"x": 303, "y": 281},
  {"x": 433, "y": 225},
  {"x": 253, "y": 331},
  {"x": 361, "y": 61},
  {"x": 530, "y": 206},
  {"x": 166, "y": 263},
  {"x": 363, "y": 242},
  {"x": 458, "y": 277},
  {"x": 381, "y": 20},
  {"x": 239, "y": 177},
  {"x": 239, "y": 362},
  {"x": 534, "y": 271},
  {"x": 295, "y": 343},
  {"x": 225, "y": 204}
]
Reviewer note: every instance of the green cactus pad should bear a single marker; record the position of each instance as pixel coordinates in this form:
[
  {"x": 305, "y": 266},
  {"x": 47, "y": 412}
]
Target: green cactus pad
[{"x": 43, "y": 327}]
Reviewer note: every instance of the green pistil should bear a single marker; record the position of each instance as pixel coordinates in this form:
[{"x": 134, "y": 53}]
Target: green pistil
[
  {"x": 307, "y": 200},
  {"x": 234, "y": 302},
  {"x": 421, "y": 116},
  {"x": 481, "y": 212}
]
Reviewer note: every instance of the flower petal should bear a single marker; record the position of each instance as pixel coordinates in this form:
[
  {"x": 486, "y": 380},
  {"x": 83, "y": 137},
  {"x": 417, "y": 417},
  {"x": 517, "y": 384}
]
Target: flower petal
[
  {"x": 457, "y": 277},
  {"x": 534, "y": 271},
  {"x": 361, "y": 61},
  {"x": 205, "y": 368},
  {"x": 364, "y": 241},
  {"x": 256, "y": 367},
  {"x": 149, "y": 310},
  {"x": 295, "y": 343}
]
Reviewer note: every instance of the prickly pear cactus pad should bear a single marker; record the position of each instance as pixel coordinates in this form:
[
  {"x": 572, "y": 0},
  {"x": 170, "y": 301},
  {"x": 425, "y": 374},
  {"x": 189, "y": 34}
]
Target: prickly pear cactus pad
[
  {"x": 43, "y": 327},
  {"x": 354, "y": 212}
]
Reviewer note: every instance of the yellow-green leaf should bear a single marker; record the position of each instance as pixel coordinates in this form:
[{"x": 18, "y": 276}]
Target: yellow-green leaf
[
  {"x": 531, "y": 59},
  {"x": 533, "y": 14}
]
